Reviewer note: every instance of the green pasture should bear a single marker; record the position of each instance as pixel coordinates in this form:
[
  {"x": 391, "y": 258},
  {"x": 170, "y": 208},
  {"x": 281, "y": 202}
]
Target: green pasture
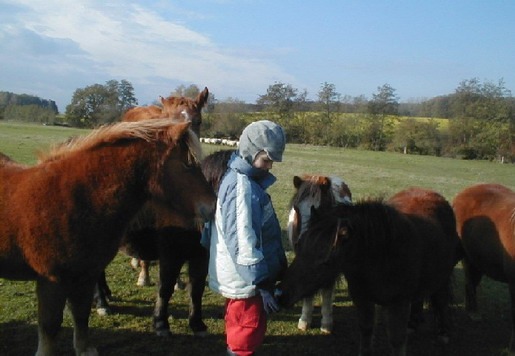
[{"x": 128, "y": 330}]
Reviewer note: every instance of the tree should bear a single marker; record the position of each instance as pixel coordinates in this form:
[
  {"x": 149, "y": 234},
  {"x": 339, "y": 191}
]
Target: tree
[
  {"x": 279, "y": 98},
  {"x": 383, "y": 103},
  {"x": 100, "y": 104},
  {"x": 328, "y": 98}
]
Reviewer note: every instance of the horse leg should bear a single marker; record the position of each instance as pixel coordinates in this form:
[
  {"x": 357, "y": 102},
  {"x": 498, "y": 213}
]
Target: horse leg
[
  {"x": 512, "y": 339},
  {"x": 80, "y": 298},
  {"x": 366, "y": 319},
  {"x": 327, "y": 310},
  {"x": 197, "y": 272},
  {"x": 51, "y": 302},
  {"x": 472, "y": 279},
  {"x": 397, "y": 317},
  {"x": 101, "y": 295},
  {"x": 416, "y": 315},
  {"x": 144, "y": 274},
  {"x": 169, "y": 269},
  {"x": 306, "y": 315},
  {"x": 440, "y": 303}
]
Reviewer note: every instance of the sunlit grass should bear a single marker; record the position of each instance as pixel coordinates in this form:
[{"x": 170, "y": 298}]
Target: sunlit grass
[{"x": 129, "y": 330}]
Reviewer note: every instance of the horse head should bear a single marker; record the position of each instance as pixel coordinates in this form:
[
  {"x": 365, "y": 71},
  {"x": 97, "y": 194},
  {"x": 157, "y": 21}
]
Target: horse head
[
  {"x": 313, "y": 191},
  {"x": 180, "y": 184},
  {"x": 185, "y": 109}
]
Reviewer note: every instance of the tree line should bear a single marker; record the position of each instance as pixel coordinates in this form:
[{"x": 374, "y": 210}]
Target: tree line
[{"x": 476, "y": 121}]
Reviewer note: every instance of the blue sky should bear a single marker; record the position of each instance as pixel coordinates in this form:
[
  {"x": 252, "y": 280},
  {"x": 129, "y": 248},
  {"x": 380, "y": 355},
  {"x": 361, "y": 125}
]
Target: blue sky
[{"x": 237, "y": 48}]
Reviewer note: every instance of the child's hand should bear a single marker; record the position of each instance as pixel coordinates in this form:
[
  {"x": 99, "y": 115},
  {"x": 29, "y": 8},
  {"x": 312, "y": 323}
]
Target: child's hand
[{"x": 269, "y": 302}]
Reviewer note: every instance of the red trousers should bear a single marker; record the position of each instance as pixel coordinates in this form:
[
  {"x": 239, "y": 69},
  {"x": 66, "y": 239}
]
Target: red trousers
[{"x": 245, "y": 324}]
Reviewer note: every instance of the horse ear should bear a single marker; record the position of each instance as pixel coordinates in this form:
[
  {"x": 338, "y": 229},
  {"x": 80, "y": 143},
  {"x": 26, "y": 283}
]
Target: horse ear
[
  {"x": 297, "y": 181},
  {"x": 202, "y": 97}
]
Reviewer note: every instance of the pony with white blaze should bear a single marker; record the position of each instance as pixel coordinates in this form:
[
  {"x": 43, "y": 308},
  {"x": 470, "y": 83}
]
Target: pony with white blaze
[{"x": 314, "y": 191}]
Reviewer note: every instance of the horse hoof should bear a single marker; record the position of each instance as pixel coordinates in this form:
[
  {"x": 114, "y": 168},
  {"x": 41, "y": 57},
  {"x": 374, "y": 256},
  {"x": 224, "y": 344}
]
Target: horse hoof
[
  {"x": 200, "y": 333},
  {"x": 444, "y": 339},
  {"x": 163, "y": 333},
  {"x": 103, "y": 311},
  {"x": 143, "y": 282},
  {"x": 90, "y": 351},
  {"x": 303, "y": 325},
  {"x": 134, "y": 263},
  {"x": 326, "y": 329},
  {"x": 475, "y": 316}
]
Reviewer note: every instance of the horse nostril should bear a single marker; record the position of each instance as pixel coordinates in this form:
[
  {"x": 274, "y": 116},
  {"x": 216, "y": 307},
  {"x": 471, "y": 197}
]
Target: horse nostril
[{"x": 207, "y": 212}]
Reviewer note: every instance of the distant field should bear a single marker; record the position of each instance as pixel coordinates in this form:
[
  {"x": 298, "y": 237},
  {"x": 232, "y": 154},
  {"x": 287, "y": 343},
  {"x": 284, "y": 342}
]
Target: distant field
[{"x": 367, "y": 173}]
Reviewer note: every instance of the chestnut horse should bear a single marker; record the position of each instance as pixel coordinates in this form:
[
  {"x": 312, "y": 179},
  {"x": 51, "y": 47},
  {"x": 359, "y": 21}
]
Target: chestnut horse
[
  {"x": 314, "y": 191},
  {"x": 173, "y": 107},
  {"x": 485, "y": 216},
  {"x": 178, "y": 108},
  {"x": 391, "y": 253},
  {"x": 62, "y": 220},
  {"x": 150, "y": 238}
]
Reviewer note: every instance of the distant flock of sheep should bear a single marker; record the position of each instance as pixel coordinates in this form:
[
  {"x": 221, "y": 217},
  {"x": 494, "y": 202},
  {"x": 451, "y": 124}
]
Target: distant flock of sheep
[{"x": 220, "y": 141}]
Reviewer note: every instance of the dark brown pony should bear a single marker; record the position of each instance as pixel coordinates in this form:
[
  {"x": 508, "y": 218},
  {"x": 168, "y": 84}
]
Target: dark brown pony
[
  {"x": 320, "y": 192},
  {"x": 62, "y": 220},
  {"x": 485, "y": 216},
  {"x": 391, "y": 253},
  {"x": 173, "y": 107},
  {"x": 150, "y": 238}
]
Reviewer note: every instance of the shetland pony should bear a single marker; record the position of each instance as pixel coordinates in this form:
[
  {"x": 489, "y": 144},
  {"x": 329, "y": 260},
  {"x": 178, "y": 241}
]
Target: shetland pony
[
  {"x": 391, "y": 253},
  {"x": 62, "y": 220},
  {"x": 313, "y": 191},
  {"x": 485, "y": 215},
  {"x": 152, "y": 238},
  {"x": 173, "y": 107}
]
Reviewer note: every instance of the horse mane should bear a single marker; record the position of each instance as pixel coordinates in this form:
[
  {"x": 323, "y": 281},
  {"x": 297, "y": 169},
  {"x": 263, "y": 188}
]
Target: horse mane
[
  {"x": 373, "y": 223},
  {"x": 310, "y": 189},
  {"x": 147, "y": 130}
]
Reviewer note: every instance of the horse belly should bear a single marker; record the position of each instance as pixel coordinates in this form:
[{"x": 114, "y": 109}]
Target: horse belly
[
  {"x": 485, "y": 250},
  {"x": 16, "y": 269}
]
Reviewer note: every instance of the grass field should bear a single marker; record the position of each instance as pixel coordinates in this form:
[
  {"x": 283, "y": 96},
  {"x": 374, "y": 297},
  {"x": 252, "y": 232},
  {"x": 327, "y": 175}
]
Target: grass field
[{"x": 128, "y": 331}]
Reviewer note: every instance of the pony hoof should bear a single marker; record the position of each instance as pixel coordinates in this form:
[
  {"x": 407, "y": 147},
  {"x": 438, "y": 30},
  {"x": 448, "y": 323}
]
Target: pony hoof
[
  {"x": 200, "y": 334},
  {"x": 163, "y": 333},
  {"x": 103, "y": 311},
  {"x": 444, "y": 339},
  {"x": 143, "y": 282},
  {"x": 326, "y": 329},
  {"x": 134, "y": 263},
  {"x": 303, "y": 325},
  {"x": 475, "y": 316},
  {"x": 90, "y": 351}
]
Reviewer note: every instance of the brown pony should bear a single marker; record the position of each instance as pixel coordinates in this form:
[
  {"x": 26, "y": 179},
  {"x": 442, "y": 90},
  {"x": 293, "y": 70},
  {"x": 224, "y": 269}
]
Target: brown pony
[
  {"x": 485, "y": 216},
  {"x": 391, "y": 253},
  {"x": 178, "y": 108},
  {"x": 61, "y": 221},
  {"x": 320, "y": 192}
]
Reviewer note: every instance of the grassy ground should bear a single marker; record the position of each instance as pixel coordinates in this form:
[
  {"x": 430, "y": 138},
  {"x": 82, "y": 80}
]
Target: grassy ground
[{"x": 128, "y": 331}]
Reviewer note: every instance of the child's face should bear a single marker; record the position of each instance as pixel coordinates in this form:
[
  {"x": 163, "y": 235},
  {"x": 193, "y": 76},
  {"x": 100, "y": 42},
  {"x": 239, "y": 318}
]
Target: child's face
[{"x": 262, "y": 161}]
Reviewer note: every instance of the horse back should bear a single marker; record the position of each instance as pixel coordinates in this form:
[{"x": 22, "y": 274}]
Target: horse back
[
  {"x": 139, "y": 113},
  {"x": 485, "y": 215}
]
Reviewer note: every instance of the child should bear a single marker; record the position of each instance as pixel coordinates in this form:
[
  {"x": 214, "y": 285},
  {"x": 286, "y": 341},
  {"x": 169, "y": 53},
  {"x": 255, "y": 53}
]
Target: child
[{"x": 246, "y": 252}]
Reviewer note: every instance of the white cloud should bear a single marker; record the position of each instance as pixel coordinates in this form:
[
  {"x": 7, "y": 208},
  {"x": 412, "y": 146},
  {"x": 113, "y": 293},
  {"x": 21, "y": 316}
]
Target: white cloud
[{"x": 91, "y": 42}]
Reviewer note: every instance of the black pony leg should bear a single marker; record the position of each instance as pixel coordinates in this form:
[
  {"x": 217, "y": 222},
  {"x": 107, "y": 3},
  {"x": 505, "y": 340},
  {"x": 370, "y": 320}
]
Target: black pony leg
[
  {"x": 169, "y": 270},
  {"x": 197, "y": 272},
  {"x": 101, "y": 295}
]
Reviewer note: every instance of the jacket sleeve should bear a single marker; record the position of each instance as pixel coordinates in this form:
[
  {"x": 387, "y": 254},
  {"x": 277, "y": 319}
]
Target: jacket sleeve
[{"x": 243, "y": 221}]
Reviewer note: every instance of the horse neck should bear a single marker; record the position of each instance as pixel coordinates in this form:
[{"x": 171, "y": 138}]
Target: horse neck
[{"x": 118, "y": 176}]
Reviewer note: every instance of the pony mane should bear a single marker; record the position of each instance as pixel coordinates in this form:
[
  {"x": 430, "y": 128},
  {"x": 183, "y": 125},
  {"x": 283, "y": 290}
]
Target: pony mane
[
  {"x": 310, "y": 189},
  {"x": 147, "y": 130}
]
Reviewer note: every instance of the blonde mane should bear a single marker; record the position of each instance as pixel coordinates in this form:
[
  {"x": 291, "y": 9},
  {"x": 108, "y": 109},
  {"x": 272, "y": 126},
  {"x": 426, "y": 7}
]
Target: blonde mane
[{"x": 147, "y": 130}]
